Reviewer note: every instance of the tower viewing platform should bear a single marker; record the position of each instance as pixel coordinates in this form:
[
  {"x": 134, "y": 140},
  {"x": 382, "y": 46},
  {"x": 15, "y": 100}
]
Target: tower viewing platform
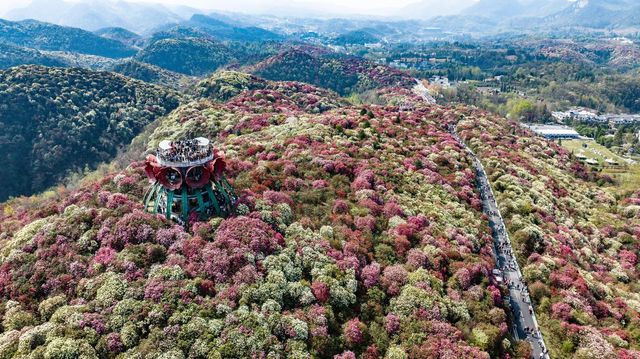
[
  {"x": 184, "y": 153},
  {"x": 188, "y": 181}
]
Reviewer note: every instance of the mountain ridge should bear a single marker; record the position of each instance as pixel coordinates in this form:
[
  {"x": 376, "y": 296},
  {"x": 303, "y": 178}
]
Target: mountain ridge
[{"x": 45, "y": 36}]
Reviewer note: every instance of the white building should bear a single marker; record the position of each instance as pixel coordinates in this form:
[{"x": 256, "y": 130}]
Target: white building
[
  {"x": 553, "y": 131},
  {"x": 441, "y": 81}
]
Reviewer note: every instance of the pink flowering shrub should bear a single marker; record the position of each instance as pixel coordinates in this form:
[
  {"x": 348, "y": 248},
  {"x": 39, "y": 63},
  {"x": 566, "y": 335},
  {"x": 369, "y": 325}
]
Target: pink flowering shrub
[
  {"x": 391, "y": 323},
  {"x": 353, "y": 332},
  {"x": 393, "y": 278},
  {"x": 370, "y": 275},
  {"x": 345, "y": 355}
]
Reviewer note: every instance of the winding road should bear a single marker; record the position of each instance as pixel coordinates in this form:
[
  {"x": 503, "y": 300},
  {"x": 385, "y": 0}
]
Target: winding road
[{"x": 525, "y": 326}]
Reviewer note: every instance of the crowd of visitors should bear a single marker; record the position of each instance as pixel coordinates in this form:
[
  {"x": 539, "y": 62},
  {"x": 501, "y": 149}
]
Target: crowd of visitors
[
  {"x": 185, "y": 152},
  {"x": 507, "y": 265}
]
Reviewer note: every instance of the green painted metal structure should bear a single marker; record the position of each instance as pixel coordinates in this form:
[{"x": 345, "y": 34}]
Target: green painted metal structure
[
  {"x": 215, "y": 199},
  {"x": 188, "y": 182}
]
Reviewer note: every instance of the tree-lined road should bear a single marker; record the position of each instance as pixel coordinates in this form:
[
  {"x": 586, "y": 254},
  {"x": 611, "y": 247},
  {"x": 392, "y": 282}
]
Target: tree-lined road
[{"x": 525, "y": 326}]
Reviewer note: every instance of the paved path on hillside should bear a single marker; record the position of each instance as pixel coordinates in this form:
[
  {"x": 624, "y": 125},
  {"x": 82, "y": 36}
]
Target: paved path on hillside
[
  {"x": 526, "y": 325},
  {"x": 423, "y": 92}
]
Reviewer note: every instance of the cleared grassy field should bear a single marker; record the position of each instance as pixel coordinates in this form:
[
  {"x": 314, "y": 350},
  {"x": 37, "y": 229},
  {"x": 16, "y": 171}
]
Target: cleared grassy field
[
  {"x": 626, "y": 175},
  {"x": 592, "y": 150}
]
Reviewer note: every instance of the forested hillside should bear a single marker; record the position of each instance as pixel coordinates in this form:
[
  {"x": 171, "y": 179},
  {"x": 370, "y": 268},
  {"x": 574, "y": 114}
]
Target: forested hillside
[
  {"x": 56, "y": 120},
  {"x": 341, "y": 74},
  {"x": 12, "y": 55},
  {"x": 149, "y": 73},
  {"x": 119, "y": 34},
  {"x": 222, "y": 30},
  {"x": 190, "y": 56}
]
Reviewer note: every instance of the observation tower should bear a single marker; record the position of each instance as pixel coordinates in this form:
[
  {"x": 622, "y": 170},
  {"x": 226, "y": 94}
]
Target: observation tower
[{"x": 188, "y": 181}]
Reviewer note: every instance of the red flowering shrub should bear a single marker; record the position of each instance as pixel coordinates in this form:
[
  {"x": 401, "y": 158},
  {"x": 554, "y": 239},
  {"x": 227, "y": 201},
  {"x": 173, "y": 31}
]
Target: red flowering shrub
[
  {"x": 242, "y": 232},
  {"x": 321, "y": 291},
  {"x": 561, "y": 310}
]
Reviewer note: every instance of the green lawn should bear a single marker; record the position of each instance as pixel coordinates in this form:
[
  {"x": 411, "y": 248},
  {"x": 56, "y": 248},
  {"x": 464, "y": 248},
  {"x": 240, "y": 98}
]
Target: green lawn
[
  {"x": 627, "y": 176},
  {"x": 592, "y": 150}
]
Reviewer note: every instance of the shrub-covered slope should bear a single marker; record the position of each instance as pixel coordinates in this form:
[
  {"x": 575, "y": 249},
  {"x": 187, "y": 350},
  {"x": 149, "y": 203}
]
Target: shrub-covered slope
[
  {"x": 341, "y": 74},
  {"x": 262, "y": 96},
  {"x": 577, "y": 242},
  {"x": 45, "y": 36},
  {"x": 56, "y": 120},
  {"x": 358, "y": 233}
]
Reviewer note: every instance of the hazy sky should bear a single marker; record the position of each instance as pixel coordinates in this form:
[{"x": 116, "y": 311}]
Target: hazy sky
[{"x": 348, "y": 7}]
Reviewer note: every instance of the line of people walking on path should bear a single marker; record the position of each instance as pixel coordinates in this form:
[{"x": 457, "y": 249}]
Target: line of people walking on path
[{"x": 506, "y": 259}]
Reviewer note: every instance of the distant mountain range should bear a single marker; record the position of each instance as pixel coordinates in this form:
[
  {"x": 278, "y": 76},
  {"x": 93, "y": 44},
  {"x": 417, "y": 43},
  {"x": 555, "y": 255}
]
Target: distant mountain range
[
  {"x": 453, "y": 16},
  {"x": 598, "y": 14},
  {"x": 97, "y": 14},
  {"x": 501, "y": 9},
  {"x": 555, "y": 14},
  {"x": 120, "y": 28}
]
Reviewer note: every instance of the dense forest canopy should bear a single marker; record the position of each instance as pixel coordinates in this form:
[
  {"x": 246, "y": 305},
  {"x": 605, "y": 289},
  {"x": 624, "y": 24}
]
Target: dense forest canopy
[
  {"x": 56, "y": 120},
  {"x": 190, "y": 56}
]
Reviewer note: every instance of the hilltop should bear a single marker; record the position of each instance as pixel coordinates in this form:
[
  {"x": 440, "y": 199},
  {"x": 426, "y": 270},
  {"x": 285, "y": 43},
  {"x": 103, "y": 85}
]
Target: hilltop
[
  {"x": 351, "y": 221},
  {"x": 190, "y": 56},
  {"x": 325, "y": 69},
  {"x": 57, "y": 120},
  {"x": 359, "y": 232},
  {"x": 125, "y": 36}
]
